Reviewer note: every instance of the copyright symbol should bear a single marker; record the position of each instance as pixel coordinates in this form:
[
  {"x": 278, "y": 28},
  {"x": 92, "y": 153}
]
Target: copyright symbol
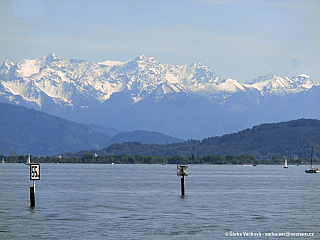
[{"x": 227, "y": 234}]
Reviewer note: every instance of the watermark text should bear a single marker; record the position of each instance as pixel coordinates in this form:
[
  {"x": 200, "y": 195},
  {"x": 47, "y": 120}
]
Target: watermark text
[{"x": 269, "y": 234}]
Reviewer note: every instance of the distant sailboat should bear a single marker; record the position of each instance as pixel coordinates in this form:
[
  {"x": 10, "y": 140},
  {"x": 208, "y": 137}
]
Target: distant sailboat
[
  {"x": 312, "y": 169},
  {"x": 285, "y": 163},
  {"x": 3, "y": 161},
  {"x": 28, "y": 160}
]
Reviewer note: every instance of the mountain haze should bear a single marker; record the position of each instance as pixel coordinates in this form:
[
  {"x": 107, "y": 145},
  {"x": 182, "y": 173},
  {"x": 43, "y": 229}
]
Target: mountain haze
[
  {"x": 188, "y": 101},
  {"x": 27, "y": 131},
  {"x": 145, "y": 137}
]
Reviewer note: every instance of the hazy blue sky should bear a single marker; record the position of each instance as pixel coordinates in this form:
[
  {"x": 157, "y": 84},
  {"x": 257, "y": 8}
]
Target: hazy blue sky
[{"x": 237, "y": 39}]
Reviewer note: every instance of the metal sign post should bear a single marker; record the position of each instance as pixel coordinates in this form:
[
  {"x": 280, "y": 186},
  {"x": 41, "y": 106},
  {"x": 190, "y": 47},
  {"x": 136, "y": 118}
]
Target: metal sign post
[
  {"x": 34, "y": 175},
  {"x": 182, "y": 170}
]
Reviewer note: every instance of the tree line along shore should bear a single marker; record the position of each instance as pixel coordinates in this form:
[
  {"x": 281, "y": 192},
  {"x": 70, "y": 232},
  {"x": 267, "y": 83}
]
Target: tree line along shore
[{"x": 243, "y": 159}]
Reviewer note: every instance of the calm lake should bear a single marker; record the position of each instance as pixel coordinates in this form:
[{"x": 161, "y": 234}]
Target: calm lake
[{"x": 89, "y": 201}]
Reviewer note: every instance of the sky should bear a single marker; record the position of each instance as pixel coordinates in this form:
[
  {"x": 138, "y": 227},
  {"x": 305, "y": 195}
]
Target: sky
[{"x": 238, "y": 39}]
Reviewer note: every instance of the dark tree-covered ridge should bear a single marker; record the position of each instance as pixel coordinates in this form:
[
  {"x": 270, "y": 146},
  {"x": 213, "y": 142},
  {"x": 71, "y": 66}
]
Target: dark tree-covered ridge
[{"x": 293, "y": 139}]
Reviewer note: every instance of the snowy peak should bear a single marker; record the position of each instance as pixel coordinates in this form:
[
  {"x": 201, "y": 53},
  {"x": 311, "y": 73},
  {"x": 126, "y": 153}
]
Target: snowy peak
[
  {"x": 262, "y": 78},
  {"x": 232, "y": 86},
  {"x": 271, "y": 84},
  {"x": 145, "y": 93},
  {"x": 70, "y": 81},
  {"x": 52, "y": 57},
  {"x": 6, "y": 65},
  {"x": 6, "y": 69},
  {"x": 304, "y": 81}
]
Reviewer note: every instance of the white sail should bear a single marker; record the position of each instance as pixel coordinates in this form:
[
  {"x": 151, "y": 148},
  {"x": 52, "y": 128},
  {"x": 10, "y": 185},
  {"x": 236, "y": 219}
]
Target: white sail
[
  {"x": 29, "y": 160},
  {"x": 285, "y": 163}
]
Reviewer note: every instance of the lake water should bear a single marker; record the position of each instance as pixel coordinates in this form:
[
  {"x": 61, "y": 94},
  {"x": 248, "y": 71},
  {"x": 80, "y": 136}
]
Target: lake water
[{"x": 88, "y": 201}]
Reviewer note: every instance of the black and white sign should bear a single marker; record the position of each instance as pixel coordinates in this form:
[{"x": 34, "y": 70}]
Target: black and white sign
[
  {"x": 182, "y": 170},
  {"x": 34, "y": 171}
]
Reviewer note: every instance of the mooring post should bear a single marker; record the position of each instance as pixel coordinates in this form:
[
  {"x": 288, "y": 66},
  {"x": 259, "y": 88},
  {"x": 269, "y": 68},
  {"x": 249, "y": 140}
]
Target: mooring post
[
  {"x": 32, "y": 195},
  {"x": 182, "y": 185},
  {"x": 182, "y": 170},
  {"x": 34, "y": 175}
]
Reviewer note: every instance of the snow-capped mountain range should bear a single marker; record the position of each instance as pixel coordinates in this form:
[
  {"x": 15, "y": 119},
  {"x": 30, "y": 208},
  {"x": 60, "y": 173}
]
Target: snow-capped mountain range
[{"x": 147, "y": 94}]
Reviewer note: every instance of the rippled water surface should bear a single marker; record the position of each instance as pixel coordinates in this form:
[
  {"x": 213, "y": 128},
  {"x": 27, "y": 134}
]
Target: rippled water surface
[{"x": 87, "y": 201}]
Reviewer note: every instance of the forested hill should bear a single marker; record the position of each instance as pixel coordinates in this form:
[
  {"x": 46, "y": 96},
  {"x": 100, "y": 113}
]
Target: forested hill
[
  {"x": 293, "y": 138},
  {"x": 25, "y": 131},
  {"x": 29, "y": 131}
]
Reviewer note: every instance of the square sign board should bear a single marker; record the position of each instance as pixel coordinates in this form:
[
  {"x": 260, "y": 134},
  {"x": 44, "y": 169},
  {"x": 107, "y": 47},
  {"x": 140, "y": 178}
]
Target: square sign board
[
  {"x": 182, "y": 170},
  {"x": 34, "y": 171}
]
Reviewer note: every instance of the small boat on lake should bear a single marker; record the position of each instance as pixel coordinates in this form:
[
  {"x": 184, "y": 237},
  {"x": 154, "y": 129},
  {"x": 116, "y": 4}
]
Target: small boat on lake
[
  {"x": 3, "y": 161},
  {"x": 312, "y": 169},
  {"x": 285, "y": 163}
]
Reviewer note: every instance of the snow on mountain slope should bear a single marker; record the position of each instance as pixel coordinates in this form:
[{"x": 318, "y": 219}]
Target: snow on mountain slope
[
  {"x": 272, "y": 84},
  {"x": 64, "y": 80},
  {"x": 110, "y": 63},
  {"x": 144, "y": 93},
  {"x": 27, "y": 68}
]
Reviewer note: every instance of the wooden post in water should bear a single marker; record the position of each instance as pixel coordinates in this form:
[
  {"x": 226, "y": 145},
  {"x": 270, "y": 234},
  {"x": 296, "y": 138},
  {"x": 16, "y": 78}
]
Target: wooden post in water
[{"x": 182, "y": 170}]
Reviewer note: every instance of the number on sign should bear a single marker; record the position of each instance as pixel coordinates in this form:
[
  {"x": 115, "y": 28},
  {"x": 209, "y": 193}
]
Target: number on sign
[{"x": 35, "y": 172}]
